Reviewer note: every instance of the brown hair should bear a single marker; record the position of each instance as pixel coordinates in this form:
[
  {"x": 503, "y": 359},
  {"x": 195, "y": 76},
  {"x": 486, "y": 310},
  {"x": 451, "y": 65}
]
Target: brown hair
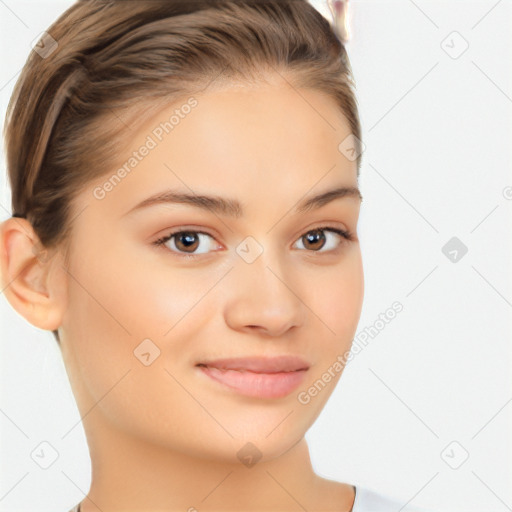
[{"x": 106, "y": 59}]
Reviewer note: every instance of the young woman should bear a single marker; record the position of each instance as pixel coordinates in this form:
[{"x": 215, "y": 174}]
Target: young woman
[{"x": 185, "y": 200}]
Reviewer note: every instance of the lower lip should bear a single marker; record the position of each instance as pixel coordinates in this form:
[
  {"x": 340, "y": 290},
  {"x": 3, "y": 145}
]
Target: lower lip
[{"x": 260, "y": 385}]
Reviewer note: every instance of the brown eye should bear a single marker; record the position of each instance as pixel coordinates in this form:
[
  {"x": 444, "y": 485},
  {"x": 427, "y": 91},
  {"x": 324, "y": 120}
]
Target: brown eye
[
  {"x": 314, "y": 240},
  {"x": 186, "y": 241}
]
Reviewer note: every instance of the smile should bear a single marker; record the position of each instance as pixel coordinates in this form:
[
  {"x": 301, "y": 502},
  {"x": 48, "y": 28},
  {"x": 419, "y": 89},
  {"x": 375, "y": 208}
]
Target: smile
[{"x": 256, "y": 384}]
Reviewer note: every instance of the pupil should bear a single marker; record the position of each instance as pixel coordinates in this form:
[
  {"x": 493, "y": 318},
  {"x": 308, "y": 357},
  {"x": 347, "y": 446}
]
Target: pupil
[
  {"x": 190, "y": 239},
  {"x": 315, "y": 237}
]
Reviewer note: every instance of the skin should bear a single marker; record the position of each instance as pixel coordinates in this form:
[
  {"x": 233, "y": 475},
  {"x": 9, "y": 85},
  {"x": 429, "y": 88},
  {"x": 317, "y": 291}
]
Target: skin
[{"x": 164, "y": 436}]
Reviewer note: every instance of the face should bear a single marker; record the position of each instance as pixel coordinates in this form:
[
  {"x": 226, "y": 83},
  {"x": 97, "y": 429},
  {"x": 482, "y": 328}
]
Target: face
[{"x": 249, "y": 273}]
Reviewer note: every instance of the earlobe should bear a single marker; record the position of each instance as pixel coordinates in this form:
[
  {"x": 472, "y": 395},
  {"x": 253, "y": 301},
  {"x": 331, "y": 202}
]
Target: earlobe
[{"x": 26, "y": 277}]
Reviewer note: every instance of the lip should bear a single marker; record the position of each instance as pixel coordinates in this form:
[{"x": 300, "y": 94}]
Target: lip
[
  {"x": 257, "y": 377},
  {"x": 259, "y": 364}
]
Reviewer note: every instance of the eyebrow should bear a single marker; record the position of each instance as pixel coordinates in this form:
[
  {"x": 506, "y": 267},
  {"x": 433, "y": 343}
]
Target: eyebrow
[{"x": 233, "y": 208}]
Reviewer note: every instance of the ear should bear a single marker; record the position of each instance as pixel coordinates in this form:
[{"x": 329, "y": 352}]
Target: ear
[{"x": 32, "y": 278}]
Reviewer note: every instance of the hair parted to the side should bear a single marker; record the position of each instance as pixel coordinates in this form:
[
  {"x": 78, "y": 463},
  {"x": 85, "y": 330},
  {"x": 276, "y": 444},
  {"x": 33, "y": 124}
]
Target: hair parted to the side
[{"x": 117, "y": 62}]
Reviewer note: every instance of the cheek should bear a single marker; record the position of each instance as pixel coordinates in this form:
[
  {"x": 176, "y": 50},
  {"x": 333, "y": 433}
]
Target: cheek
[
  {"x": 113, "y": 307},
  {"x": 117, "y": 297},
  {"x": 337, "y": 300},
  {"x": 117, "y": 304},
  {"x": 97, "y": 321}
]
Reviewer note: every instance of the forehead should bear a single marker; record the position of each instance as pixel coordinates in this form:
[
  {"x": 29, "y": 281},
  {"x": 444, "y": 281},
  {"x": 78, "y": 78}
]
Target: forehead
[
  {"x": 247, "y": 121},
  {"x": 268, "y": 141}
]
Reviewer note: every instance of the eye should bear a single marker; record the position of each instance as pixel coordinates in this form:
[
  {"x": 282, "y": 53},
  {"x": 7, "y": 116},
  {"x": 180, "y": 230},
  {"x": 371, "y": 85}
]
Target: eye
[
  {"x": 185, "y": 242},
  {"x": 315, "y": 239}
]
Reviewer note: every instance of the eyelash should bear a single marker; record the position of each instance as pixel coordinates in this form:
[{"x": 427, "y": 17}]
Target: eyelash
[{"x": 345, "y": 234}]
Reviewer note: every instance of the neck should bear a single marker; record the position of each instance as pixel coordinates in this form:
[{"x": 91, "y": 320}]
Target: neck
[{"x": 130, "y": 474}]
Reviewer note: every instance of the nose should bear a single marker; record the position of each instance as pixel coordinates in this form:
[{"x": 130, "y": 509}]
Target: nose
[{"x": 264, "y": 297}]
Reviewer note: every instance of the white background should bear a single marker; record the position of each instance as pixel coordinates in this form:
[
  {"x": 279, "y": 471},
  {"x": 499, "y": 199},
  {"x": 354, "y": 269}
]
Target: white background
[{"x": 437, "y": 165}]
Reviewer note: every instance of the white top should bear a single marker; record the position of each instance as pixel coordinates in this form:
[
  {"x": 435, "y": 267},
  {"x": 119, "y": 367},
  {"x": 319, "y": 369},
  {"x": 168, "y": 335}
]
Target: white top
[{"x": 366, "y": 500}]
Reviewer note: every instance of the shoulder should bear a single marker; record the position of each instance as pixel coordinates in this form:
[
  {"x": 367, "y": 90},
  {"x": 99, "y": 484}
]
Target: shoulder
[
  {"x": 369, "y": 500},
  {"x": 76, "y": 508}
]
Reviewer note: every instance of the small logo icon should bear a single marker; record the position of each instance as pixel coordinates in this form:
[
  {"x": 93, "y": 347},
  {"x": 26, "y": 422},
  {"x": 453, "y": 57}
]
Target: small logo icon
[
  {"x": 44, "y": 44},
  {"x": 349, "y": 147},
  {"x": 507, "y": 193},
  {"x": 44, "y": 455},
  {"x": 454, "y": 45},
  {"x": 455, "y": 455},
  {"x": 454, "y": 250},
  {"x": 146, "y": 352},
  {"x": 249, "y": 249},
  {"x": 249, "y": 455}
]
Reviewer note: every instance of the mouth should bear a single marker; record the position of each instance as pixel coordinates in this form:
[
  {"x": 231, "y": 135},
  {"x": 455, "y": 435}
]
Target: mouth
[
  {"x": 257, "y": 377},
  {"x": 280, "y": 364}
]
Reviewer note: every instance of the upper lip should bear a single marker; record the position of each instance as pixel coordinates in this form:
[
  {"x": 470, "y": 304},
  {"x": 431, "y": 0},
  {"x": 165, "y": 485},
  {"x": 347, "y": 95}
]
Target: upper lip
[{"x": 259, "y": 364}]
